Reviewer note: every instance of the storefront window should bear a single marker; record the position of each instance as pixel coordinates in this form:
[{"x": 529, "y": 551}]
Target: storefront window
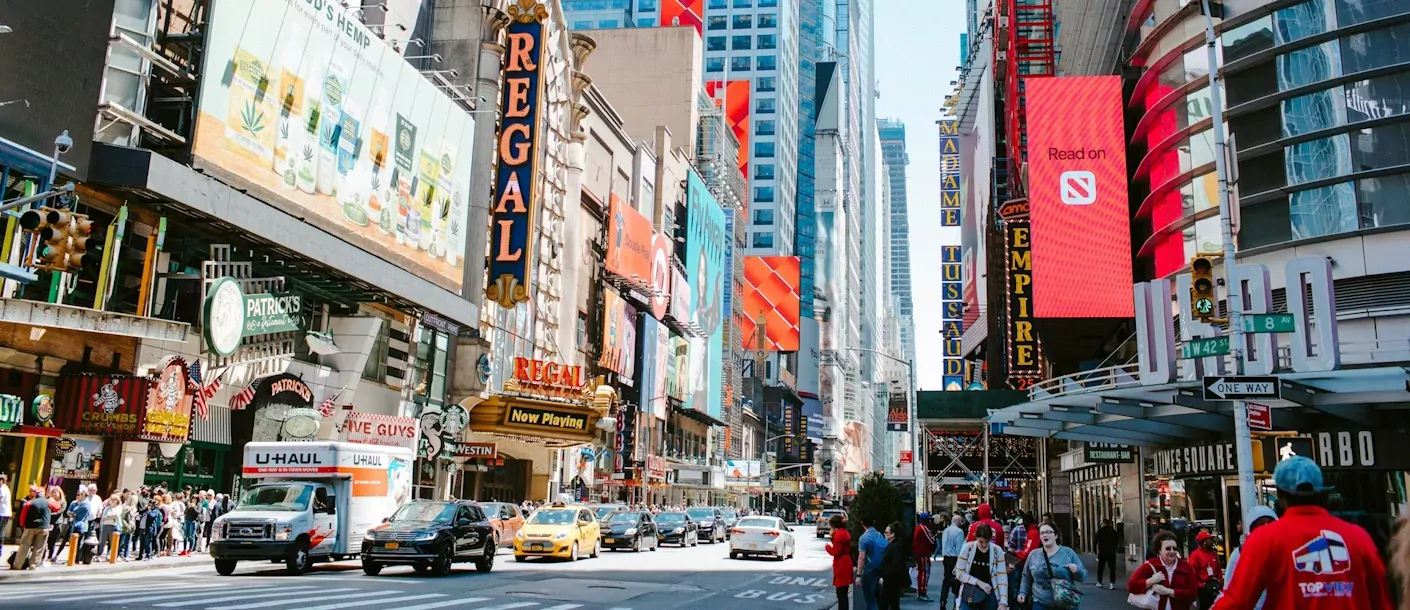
[{"x": 429, "y": 371}]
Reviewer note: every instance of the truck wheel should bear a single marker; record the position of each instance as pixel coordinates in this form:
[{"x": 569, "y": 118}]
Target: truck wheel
[
  {"x": 298, "y": 561},
  {"x": 225, "y": 567},
  {"x": 371, "y": 568},
  {"x": 486, "y": 563}
]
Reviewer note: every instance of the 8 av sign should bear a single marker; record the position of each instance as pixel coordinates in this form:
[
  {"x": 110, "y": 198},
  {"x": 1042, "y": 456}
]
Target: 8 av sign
[{"x": 1239, "y": 388}]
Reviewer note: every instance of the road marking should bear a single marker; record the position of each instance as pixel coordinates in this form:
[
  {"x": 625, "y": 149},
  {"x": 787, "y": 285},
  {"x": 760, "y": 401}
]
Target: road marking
[
  {"x": 378, "y": 601},
  {"x": 242, "y": 597},
  {"x": 179, "y": 594},
  {"x": 48, "y": 588},
  {"x": 500, "y": 607},
  {"x": 443, "y": 604},
  {"x": 298, "y": 600},
  {"x": 564, "y": 607},
  {"x": 363, "y": 579}
]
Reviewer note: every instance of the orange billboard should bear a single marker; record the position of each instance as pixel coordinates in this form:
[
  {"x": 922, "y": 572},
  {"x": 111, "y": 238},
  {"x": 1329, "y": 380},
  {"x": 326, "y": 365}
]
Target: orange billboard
[
  {"x": 771, "y": 294},
  {"x": 684, "y": 12},
  {"x": 733, "y": 97},
  {"x": 629, "y": 236}
]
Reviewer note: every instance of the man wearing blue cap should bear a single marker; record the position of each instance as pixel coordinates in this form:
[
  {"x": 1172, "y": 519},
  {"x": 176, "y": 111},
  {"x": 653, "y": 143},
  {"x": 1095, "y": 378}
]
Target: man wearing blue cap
[{"x": 1308, "y": 560}]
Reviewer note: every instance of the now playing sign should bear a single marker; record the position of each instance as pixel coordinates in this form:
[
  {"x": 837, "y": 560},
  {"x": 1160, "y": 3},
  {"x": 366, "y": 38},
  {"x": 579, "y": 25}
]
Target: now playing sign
[{"x": 1225, "y": 387}]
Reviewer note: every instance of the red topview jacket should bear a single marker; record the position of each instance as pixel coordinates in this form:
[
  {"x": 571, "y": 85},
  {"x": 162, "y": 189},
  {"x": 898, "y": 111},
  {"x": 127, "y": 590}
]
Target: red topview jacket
[
  {"x": 1308, "y": 560},
  {"x": 986, "y": 517}
]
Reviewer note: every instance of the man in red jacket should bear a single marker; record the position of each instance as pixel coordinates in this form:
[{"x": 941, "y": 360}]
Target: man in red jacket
[
  {"x": 986, "y": 517},
  {"x": 1308, "y": 560},
  {"x": 1209, "y": 575},
  {"x": 922, "y": 547}
]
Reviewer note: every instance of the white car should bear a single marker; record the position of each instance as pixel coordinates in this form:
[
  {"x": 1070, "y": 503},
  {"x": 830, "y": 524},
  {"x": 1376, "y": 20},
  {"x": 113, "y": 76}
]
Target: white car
[{"x": 761, "y": 536}]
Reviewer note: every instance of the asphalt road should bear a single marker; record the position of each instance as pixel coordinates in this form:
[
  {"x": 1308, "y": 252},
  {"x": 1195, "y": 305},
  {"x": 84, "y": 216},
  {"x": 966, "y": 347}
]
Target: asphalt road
[{"x": 699, "y": 578}]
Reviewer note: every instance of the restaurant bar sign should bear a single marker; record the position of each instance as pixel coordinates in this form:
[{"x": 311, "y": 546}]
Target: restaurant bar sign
[
  {"x": 515, "y": 202},
  {"x": 524, "y": 416},
  {"x": 11, "y": 411},
  {"x": 230, "y": 315},
  {"x": 1108, "y": 453}
]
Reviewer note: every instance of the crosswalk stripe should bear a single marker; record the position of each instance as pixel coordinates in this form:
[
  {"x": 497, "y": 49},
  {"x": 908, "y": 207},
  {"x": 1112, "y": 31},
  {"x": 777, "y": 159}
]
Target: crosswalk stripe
[
  {"x": 444, "y": 604},
  {"x": 53, "y": 587},
  {"x": 564, "y": 607},
  {"x": 242, "y": 596},
  {"x": 510, "y": 606},
  {"x": 378, "y": 601},
  {"x": 164, "y": 595},
  {"x": 53, "y": 593},
  {"x": 299, "y": 600}
]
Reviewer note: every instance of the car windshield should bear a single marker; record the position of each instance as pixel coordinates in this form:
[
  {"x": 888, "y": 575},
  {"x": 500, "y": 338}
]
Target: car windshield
[
  {"x": 827, "y": 514},
  {"x": 701, "y": 513},
  {"x": 757, "y": 522},
  {"x": 729, "y": 514},
  {"x": 624, "y": 518},
  {"x": 278, "y": 496},
  {"x": 553, "y": 516},
  {"x": 670, "y": 518},
  {"x": 603, "y": 511},
  {"x": 425, "y": 511}
]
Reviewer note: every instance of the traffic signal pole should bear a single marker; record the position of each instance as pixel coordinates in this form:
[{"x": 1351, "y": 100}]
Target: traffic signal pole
[{"x": 1243, "y": 438}]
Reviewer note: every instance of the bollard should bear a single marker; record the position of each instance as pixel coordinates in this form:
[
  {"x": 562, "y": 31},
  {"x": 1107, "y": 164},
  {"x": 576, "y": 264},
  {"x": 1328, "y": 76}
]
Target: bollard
[
  {"x": 73, "y": 549},
  {"x": 113, "y": 547}
]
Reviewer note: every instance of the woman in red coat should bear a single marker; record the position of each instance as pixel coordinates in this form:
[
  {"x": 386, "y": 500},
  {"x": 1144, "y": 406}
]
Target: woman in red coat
[
  {"x": 843, "y": 572},
  {"x": 1169, "y": 576}
]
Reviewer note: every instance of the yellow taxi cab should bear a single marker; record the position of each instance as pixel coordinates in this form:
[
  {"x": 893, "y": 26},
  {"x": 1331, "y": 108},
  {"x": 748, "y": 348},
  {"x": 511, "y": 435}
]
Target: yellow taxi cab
[{"x": 559, "y": 530}]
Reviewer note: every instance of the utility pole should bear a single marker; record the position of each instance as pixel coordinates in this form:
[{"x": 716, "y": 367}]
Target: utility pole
[{"x": 1243, "y": 439}]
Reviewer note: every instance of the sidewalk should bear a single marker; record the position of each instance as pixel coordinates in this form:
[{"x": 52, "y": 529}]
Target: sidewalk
[{"x": 56, "y": 570}]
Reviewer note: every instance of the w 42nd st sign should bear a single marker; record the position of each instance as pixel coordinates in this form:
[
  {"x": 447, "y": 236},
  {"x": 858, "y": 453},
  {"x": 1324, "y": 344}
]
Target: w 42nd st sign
[{"x": 1226, "y": 387}]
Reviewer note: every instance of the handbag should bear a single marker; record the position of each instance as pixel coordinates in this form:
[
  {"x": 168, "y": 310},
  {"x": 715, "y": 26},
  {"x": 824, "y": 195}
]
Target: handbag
[
  {"x": 1065, "y": 594},
  {"x": 971, "y": 594},
  {"x": 1145, "y": 601}
]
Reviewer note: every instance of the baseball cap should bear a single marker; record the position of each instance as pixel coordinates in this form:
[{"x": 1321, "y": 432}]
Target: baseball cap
[
  {"x": 1202, "y": 536},
  {"x": 1299, "y": 476}
]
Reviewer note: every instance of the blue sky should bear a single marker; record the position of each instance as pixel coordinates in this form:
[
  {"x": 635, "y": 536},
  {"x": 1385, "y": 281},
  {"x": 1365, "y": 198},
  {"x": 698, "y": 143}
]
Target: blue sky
[{"x": 917, "y": 49}]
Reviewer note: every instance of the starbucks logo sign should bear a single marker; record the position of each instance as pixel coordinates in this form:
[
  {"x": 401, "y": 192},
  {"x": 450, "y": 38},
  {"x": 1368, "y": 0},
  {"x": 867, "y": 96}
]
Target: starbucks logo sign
[{"x": 224, "y": 316}]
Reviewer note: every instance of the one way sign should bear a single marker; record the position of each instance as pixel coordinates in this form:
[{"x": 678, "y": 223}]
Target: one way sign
[{"x": 1239, "y": 388}]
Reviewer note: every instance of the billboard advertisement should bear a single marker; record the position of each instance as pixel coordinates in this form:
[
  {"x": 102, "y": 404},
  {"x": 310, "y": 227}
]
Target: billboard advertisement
[
  {"x": 661, "y": 275},
  {"x": 705, "y": 243},
  {"x": 733, "y": 98},
  {"x": 771, "y": 292},
  {"x": 813, "y": 417},
  {"x": 678, "y": 372},
  {"x": 898, "y": 414},
  {"x": 315, "y": 115},
  {"x": 684, "y": 12},
  {"x": 618, "y": 335},
  {"x": 656, "y": 359},
  {"x": 809, "y": 355},
  {"x": 629, "y": 242},
  {"x": 1077, "y": 197}
]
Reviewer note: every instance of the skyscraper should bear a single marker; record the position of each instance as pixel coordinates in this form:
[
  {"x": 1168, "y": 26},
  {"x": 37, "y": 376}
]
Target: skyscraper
[{"x": 894, "y": 158}]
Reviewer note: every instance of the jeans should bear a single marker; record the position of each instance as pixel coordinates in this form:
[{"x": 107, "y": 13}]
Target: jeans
[
  {"x": 950, "y": 584},
  {"x": 149, "y": 544},
  {"x": 191, "y": 535},
  {"x": 871, "y": 589},
  {"x": 125, "y": 545},
  {"x": 1106, "y": 563}
]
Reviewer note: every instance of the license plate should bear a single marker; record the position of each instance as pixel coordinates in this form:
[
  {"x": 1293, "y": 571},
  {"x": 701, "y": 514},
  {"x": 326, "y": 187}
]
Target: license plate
[
  {"x": 392, "y": 546},
  {"x": 753, "y": 546},
  {"x": 536, "y": 547},
  {"x": 610, "y": 540}
]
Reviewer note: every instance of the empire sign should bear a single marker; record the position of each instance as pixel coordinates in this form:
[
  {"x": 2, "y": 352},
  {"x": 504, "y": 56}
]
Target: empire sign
[
  {"x": 515, "y": 200},
  {"x": 1023, "y": 346}
]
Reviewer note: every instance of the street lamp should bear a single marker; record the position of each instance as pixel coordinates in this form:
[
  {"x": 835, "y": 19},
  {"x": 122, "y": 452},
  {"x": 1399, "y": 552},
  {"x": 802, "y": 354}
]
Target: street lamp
[{"x": 917, "y": 468}]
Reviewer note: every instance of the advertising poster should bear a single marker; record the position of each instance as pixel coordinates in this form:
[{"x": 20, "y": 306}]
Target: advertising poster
[
  {"x": 813, "y": 417},
  {"x": 678, "y": 373},
  {"x": 661, "y": 275},
  {"x": 771, "y": 291},
  {"x": 79, "y": 458},
  {"x": 657, "y": 359},
  {"x": 683, "y": 13},
  {"x": 705, "y": 242},
  {"x": 629, "y": 242},
  {"x": 897, "y": 413},
  {"x": 1077, "y": 193},
  {"x": 618, "y": 336},
  {"x": 733, "y": 97},
  {"x": 315, "y": 115}
]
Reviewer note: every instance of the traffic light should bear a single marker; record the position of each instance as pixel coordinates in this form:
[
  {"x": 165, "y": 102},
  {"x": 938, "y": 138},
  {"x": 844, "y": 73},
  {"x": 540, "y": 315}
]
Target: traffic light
[
  {"x": 64, "y": 235},
  {"x": 1203, "y": 298}
]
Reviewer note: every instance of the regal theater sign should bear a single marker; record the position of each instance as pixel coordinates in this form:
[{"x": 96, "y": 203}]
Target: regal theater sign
[{"x": 547, "y": 379}]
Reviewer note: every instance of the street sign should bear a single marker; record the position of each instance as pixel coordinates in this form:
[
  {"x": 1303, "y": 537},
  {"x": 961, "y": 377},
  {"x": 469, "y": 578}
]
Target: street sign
[
  {"x": 1267, "y": 322},
  {"x": 1228, "y": 387},
  {"x": 905, "y": 456},
  {"x": 1260, "y": 416},
  {"x": 1203, "y": 348}
]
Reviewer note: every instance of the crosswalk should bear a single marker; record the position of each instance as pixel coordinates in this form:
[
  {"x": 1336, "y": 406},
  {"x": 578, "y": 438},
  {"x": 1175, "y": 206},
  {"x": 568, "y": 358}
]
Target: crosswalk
[{"x": 265, "y": 594}]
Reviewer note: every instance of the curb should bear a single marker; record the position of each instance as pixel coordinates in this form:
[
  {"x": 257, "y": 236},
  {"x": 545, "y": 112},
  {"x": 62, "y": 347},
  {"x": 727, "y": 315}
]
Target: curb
[{"x": 8, "y": 575}]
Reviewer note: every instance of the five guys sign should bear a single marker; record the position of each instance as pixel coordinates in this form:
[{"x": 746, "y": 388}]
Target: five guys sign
[{"x": 515, "y": 176}]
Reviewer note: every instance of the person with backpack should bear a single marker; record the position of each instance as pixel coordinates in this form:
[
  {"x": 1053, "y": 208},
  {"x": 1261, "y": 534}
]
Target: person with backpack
[{"x": 1051, "y": 574}]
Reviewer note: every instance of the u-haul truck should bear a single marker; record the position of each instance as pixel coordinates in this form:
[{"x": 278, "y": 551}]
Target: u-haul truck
[{"x": 310, "y": 501}]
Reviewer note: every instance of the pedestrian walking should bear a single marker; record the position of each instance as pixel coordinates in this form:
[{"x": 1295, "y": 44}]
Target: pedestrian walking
[
  {"x": 894, "y": 574},
  {"x": 951, "y": 545},
  {"x": 870, "y": 549},
  {"x": 1308, "y": 559},
  {"x": 843, "y": 571},
  {"x": 35, "y": 519},
  {"x": 6, "y": 512},
  {"x": 1260, "y": 516},
  {"x": 983, "y": 571},
  {"x": 1051, "y": 574},
  {"x": 922, "y": 547},
  {"x": 1107, "y": 542},
  {"x": 1209, "y": 575},
  {"x": 1166, "y": 581}
]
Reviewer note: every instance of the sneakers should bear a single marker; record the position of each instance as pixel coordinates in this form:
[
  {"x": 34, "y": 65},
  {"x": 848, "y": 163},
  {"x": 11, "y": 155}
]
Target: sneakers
[
  {"x": 922, "y": 598},
  {"x": 1111, "y": 587}
]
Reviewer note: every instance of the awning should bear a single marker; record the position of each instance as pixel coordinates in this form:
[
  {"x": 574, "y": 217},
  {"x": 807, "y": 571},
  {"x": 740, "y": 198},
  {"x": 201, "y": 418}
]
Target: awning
[
  {"x": 557, "y": 424},
  {"x": 699, "y": 416},
  {"x": 215, "y": 430},
  {"x": 1110, "y": 405}
]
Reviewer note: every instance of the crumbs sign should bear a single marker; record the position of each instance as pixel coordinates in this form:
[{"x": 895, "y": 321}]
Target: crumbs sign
[{"x": 516, "y": 173}]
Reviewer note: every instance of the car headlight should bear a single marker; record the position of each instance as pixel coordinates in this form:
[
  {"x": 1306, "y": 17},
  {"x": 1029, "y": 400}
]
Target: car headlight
[
  {"x": 631, "y": 531},
  {"x": 679, "y": 530},
  {"x": 426, "y": 536},
  {"x": 283, "y": 532},
  {"x": 519, "y": 535},
  {"x": 369, "y": 537},
  {"x": 560, "y": 535},
  {"x": 218, "y": 532}
]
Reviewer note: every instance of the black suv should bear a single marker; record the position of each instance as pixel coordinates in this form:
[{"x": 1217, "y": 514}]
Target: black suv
[
  {"x": 712, "y": 523},
  {"x": 678, "y": 528},
  {"x": 431, "y": 535},
  {"x": 630, "y": 530}
]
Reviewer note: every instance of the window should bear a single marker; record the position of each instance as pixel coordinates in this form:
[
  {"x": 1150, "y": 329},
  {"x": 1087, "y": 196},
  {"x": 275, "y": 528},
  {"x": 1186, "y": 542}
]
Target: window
[
  {"x": 1302, "y": 20},
  {"x": 768, "y": 62},
  {"x": 739, "y": 64},
  {"x": 718, "y": 22},
  {"x": 714, "y": 64},
  {"x": 1378, "y": 98},
  {"x": 763, "y": 128},
  {"x": 647, "y": 6},
  {"x": 768, "y": 20},
  {"x": 1309, "y": 65},
  {"x": 1318, "y": 159},
  {"x": 609, "y": 24},
  {"x": 324, "y": 502},
  {"x": 715, "y": 43},
  {"x": 764, "y": 171},
  {"x": 1314, "y": 111},
  {"x": 763, "y": 217},
  {"x": 764, "y": 150},
  {"x": 740, "y": 43},
  {"x": 1383, "y": 200},
  {"x": 764, "y": 194},
  {"x": 768, "y": 41},
  {"x": 765, "y": 105},
  {"x": 1380, "y": 147},
  {"x": 765, "y": 84},
  {"x": 719, "y": 4},
  {"x": 1376, "y": 48},
  {"x": 763, "y": 240},
  {"x": 768, "y": 3},
  {"x": 1323, "y": 211},
  {"x": 743, "y": 3},
  {"x": 1350, "y": 12},
  {"x": 743, "y": 22},
  {"x": 582, "y": 25},
  {"x": 1247, "y": 39},
  {"x": 646, "y": 22}
]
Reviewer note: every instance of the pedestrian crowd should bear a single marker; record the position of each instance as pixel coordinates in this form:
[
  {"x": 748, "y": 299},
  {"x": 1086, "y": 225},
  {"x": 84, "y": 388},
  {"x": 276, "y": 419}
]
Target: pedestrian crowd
[{"x": 151, "y": 522}]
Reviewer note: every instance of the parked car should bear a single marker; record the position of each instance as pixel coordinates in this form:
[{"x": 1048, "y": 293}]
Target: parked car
[
  {"x": 731, "y": 517},
  {"x": 559, "y": 530},
  {"x": 507, "y": 520},
  {"x": 630, "y": 530},
  {"x": 431, "y": 535},
  {"x": 711, "y": 523},
  {"x": 768, "y": 536},
  {"x": 678, "y": 528},
  {"x": 824, "y": 528}
]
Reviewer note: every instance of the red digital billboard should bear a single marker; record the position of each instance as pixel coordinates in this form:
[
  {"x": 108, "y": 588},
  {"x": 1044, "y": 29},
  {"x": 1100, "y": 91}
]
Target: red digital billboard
[
  {"x": 684, "y": 12},
  {"x": 1077, "y": 192},
  {"x": 733, "y": 97},
  {"x": 771, "y": 295}
]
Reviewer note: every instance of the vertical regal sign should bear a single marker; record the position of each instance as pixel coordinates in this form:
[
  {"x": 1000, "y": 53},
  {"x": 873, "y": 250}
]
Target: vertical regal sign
[
  {"x": 511, "y": 258},
  {"x": 951, "y": 316},
  {"x": 1021, "y": 339},
  {"x": 949, "y": 172}
]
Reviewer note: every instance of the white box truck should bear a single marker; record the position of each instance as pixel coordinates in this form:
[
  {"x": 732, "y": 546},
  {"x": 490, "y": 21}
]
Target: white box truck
[{"x": 310, "y": 501}]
